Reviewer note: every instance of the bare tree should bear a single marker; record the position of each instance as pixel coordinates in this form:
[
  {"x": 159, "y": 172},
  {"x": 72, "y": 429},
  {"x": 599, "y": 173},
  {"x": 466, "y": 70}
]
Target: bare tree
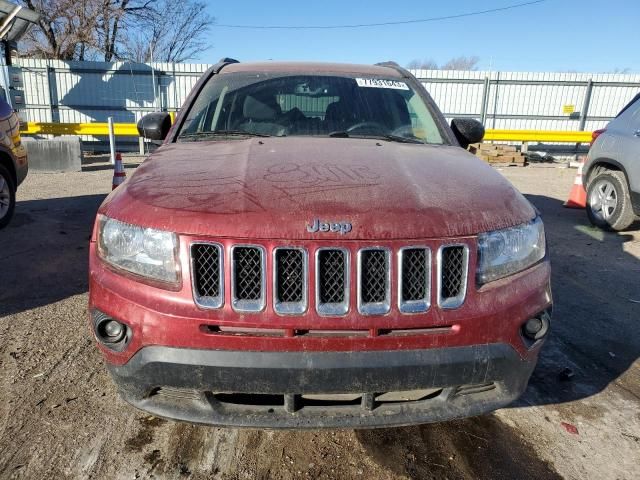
[
  {"x": 117, "y": 19},
  {"x": 64, "y": 30},
  {"x": 621, "y": 70},
  {"x": 461, "y": 63},
  {"x": 175, "y": 31},
  {"x": 117, "y": 29},
  {"x": 426, "y": 64},
  {"x": 458, "y": 63}
]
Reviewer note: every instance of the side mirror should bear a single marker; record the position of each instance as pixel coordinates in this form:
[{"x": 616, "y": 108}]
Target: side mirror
[
  {"x": 467, "y": 131},
  {"x": 154, "y": 126}
]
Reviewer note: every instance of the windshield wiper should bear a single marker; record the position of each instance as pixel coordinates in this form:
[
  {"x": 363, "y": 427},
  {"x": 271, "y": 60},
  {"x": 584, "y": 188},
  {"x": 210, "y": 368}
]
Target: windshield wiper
[
  {"x": 390, "y": 137},
  {"x": 398, "y": 138},
  {"x": 221, "y": 133}
]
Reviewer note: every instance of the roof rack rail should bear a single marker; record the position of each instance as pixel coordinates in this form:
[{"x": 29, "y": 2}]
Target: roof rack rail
[
  {"x": 390, "y": 64},
  {"x": 223, "y": 62}
]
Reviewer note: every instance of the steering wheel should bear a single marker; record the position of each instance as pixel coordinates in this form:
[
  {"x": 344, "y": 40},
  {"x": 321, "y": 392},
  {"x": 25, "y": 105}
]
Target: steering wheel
[
  {"x": 404, "y": 131},
  {"x": 366, "y": 125}
]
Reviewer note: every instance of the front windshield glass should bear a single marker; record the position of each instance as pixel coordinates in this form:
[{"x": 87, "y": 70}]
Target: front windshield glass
[{"x": 243, "y": 104}]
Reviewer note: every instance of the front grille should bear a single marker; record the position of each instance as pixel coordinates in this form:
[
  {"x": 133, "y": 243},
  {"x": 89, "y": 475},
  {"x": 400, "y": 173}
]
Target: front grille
[
  {"x": 290, "y": 280},
  {"x": 290, "y": 286},
  {"x": 207, "y": 274},
  {"x": 452, "y": 279},
  {"x": 332, "y": 281},
  {"x": 415, "y": 278},
  {"x": 374, "y": 280},
  {"x": 247, "y": 275}
]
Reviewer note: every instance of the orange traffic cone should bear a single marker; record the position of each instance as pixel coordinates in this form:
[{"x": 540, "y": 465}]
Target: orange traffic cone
[
  {"x": 578, "y": 195},
  {"x": 118, "y": 172}
]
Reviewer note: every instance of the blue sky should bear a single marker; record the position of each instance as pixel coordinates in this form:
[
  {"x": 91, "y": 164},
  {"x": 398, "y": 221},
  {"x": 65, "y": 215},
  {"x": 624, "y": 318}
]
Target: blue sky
[{"x": 557, "y": 35}]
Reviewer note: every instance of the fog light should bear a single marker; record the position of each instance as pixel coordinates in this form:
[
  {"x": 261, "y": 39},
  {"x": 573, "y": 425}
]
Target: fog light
[
  {"x": 113, "y": 331},
  {"x": 537, "y": 327}
]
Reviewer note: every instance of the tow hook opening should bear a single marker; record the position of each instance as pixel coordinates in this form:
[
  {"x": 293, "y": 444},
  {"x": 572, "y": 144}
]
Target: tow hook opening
[
  {"x": 111, "y": 333},
  {"x": 536, "y": 328}
]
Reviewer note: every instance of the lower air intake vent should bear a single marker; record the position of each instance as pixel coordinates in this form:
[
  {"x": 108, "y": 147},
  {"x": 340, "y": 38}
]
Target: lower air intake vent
[{"x": 453, "y": 265}]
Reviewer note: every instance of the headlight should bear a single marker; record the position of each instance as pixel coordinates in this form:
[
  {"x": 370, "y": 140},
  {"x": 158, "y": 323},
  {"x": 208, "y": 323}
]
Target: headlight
[
  {"x": 505, "y": 252},
  {"x": 143, "y": 251}
]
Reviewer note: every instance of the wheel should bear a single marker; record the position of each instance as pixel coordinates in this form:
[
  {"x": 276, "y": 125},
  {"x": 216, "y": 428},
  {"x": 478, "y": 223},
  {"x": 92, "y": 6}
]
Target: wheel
[{"x": 608, "y": 202}]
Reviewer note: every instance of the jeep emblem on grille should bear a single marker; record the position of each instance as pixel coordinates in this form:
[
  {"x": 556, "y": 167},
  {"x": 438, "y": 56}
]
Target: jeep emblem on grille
[{"x": 338, "y": 227}]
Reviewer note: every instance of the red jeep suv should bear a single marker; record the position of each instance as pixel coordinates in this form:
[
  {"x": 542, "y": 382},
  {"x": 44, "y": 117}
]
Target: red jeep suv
[{"x": 311, "y": 247}]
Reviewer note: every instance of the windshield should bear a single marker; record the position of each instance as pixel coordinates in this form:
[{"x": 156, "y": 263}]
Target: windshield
[{"x": 243, "y": 104}]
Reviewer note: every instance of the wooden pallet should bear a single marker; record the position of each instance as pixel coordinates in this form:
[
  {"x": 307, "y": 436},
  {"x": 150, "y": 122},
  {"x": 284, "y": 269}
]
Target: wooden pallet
[{"x": 498, "y": 155}]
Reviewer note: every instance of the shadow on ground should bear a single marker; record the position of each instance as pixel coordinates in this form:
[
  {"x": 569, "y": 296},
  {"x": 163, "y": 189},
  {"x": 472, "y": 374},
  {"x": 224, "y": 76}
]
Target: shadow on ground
[
  {"x": 595, "y": 332},
  {"x": 482, "y": 447},
  {"x": 44, "y": 252}
]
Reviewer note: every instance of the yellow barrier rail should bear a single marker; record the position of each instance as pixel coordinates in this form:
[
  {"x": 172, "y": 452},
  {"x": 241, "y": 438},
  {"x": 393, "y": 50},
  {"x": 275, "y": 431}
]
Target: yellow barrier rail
[
  {"x": 537, "y": 136},
  {"x": 130, "y": 130},
  {"x": 120, "y": 129}
]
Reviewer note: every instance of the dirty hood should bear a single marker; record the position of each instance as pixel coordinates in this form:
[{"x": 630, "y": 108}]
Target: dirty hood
[{"x": 276, "y": 187}]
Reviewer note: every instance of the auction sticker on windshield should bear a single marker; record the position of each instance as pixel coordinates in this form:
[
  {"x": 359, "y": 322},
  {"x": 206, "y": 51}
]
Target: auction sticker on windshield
[{"x": 381, "y": 83}]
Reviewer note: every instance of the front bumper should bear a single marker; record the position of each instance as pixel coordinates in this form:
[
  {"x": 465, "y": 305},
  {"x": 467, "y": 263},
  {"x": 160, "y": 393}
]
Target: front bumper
[{"x": 270, "y": 389}]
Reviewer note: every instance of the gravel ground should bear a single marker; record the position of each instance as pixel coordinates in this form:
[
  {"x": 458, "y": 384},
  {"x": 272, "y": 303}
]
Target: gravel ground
[{"x": 60, "y": 416}]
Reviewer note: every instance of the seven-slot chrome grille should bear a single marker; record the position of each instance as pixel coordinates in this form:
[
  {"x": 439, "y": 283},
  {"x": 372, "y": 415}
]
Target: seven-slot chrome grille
[{"x": 290, "y": 285}]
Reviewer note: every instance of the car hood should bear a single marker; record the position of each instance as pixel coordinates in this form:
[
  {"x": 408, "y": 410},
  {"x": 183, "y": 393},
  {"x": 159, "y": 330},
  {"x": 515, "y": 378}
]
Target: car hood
[{"x": 275, "y": 187}]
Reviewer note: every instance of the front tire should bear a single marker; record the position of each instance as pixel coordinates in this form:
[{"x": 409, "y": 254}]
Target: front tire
[
  {"x": 608, "y": 201},
  {"x": 7, "y": 197}
]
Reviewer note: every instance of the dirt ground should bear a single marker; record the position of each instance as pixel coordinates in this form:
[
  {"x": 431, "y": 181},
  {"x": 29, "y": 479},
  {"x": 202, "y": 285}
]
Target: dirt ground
[{"x": 60, "y": 416}]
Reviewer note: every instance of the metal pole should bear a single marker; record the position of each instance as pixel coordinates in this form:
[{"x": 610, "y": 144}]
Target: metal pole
[
  {"x": 153, "y": 76},
  {"x": 585, "y": 105},
  {"x": 495, "y": 100},
  {"x": 112, "y": 141},
  {"x": 5, "y": 26},
  {"x": 53, "y": 95},
  {"x": 176, "y": 106},
  {"x": 6, "y": 82},
  {"x": 485, "y": 101},
  {"x": 584, "y": 112}
]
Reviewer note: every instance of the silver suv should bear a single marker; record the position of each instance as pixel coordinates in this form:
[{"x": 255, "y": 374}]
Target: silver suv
[{"x": 612, "y": 171}]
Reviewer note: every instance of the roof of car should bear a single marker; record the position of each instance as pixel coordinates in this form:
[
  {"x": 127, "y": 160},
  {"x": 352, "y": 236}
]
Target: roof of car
[{"x": 311, "y": 67}]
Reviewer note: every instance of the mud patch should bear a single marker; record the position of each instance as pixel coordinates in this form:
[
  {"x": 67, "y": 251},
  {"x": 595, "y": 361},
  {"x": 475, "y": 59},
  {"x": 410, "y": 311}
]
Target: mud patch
[
  {"x": 144, "y": 436},
  {"x": 154, "y": 460},
  {"x": 475, "y": 448}
]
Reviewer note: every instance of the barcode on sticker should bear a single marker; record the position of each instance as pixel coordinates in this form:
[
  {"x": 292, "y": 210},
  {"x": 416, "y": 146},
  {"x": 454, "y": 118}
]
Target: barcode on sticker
[{"x": 381, "y": 83}]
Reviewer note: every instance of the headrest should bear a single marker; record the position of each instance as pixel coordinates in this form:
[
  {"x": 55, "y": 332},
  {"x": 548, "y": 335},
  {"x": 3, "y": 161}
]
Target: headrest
[{"x": 257, "y": 110}]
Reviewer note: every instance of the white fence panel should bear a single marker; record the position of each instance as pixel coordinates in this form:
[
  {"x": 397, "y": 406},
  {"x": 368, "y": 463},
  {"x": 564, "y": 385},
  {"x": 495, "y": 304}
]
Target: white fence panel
[{"x": 92, "y": 91}]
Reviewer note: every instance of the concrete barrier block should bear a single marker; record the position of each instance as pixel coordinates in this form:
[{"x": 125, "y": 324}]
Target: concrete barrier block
[{"x": 63, "y": 154}]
